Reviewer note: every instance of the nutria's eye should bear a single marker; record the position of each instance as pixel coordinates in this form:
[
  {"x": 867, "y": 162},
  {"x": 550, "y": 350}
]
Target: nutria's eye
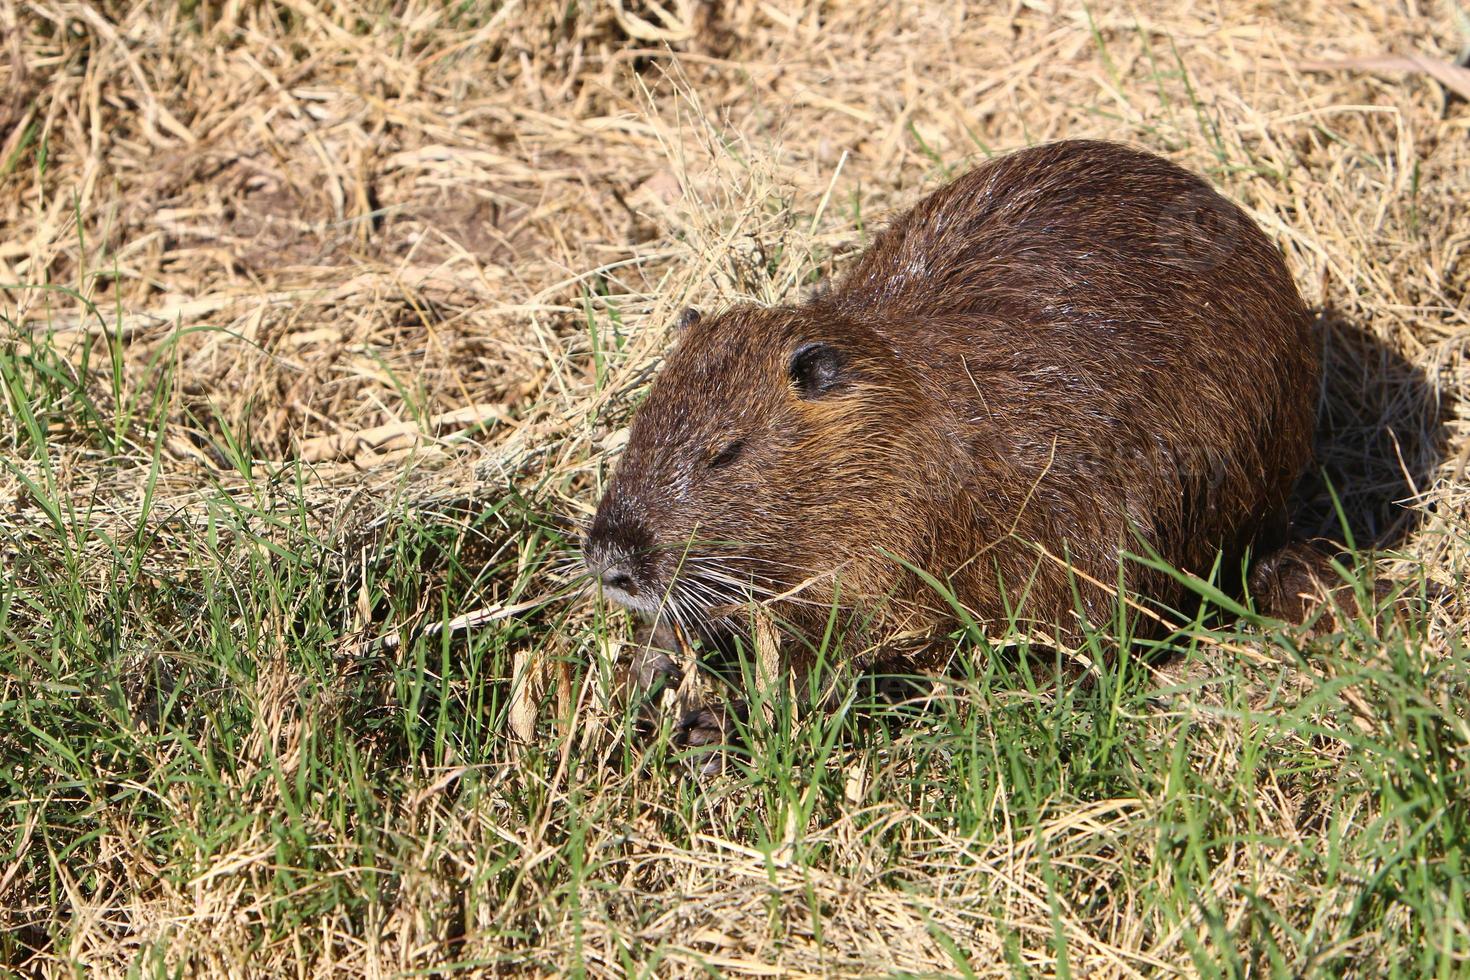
[
  {"x": 815, "y": 370},
  {"x": 727, "y": 454}
]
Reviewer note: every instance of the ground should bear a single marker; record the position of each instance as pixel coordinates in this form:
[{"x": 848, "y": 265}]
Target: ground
[{"x": 319, "y": 324}]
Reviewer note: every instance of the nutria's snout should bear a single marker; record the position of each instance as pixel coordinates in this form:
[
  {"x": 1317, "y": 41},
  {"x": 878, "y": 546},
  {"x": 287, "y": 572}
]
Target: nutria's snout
[
  {"x": 617, "y": 552},
  {"x": 613, "y": 570}
]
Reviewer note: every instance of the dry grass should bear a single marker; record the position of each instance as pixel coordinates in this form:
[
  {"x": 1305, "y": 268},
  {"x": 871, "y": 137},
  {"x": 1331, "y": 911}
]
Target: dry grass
[{"x": 302, "y": 301}]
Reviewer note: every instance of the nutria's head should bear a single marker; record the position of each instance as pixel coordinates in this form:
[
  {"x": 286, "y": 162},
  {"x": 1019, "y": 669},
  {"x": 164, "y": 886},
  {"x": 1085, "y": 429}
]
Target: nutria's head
[{"x": 777, "y": 448}]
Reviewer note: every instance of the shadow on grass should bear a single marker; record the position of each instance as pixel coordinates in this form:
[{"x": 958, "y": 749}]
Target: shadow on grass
[{"x": 1380, "y": 439}]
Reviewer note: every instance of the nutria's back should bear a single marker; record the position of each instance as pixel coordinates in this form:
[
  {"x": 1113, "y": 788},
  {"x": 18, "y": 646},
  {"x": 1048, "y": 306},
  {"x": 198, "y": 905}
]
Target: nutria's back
[{"x": 1074, "y": 350}]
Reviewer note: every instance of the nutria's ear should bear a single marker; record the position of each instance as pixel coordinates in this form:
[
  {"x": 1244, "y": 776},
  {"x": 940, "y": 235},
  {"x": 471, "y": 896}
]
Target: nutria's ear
[
  {"x": 815, "y": 369},
  {"x": 687, "y": 319}
]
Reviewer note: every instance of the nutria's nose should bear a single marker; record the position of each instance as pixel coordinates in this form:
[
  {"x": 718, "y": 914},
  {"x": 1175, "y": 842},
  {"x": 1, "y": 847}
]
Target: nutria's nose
[
  {"x": 612, "y": 567},
  {"x": 612, "y": 564},
  {"x": 619, "y": 578}
]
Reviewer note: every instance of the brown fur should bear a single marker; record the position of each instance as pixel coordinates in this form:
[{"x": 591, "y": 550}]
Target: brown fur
[{"x": 1070, "y": 351}]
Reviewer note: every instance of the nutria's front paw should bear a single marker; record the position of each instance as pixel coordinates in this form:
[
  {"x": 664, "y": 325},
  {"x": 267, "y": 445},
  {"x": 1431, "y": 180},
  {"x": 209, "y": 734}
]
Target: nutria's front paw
[
  {"x": 642, "y": 677},
  {"x": 700, "y": 727},
  {"x": 708, "y": 727}
]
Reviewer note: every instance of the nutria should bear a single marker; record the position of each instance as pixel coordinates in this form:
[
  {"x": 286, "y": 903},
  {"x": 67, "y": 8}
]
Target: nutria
[{"x": 1072, "y": 351}]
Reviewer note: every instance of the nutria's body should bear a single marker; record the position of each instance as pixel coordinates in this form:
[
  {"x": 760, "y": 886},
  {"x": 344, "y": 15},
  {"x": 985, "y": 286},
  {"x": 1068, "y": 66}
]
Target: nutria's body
[{"x": 1072, "y": 350}]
